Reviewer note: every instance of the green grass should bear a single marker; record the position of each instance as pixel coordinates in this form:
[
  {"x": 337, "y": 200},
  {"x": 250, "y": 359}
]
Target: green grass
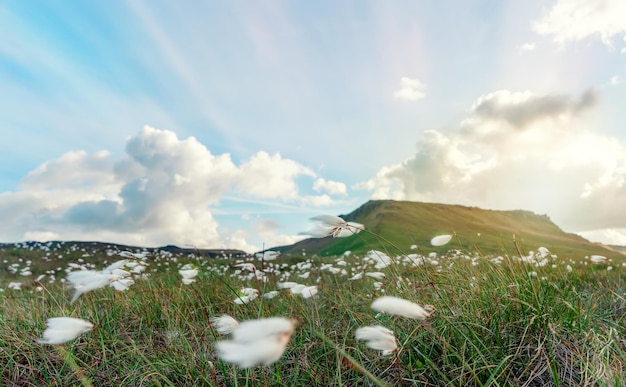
[
  {"x": 405, "y": 223},
  {"x": 494, "y": 325}
]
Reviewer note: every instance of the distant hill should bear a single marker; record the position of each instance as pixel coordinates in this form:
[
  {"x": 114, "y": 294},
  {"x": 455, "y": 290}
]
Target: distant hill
[
  {"x": 405, "y": 224},
  {"x": 103, "y": 246}
]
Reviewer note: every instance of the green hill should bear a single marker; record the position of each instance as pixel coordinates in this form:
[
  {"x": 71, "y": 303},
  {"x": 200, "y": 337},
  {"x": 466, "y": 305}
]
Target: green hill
[{"x": 405, "y": 224}]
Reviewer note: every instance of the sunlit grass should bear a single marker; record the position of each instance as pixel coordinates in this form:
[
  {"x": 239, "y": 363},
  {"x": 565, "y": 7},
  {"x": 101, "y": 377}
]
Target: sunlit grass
[{"x": 508, "y": 323}]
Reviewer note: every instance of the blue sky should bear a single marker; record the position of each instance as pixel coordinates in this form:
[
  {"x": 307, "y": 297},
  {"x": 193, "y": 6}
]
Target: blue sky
[{"x": 230, "y": 124}]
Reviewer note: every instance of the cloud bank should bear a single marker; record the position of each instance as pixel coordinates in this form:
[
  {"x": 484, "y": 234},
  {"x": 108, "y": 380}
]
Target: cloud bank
[
  {"x": 574, "y": 20},
  {"x": 162, "y": 192},
  {"x": 519, "y": 150}
]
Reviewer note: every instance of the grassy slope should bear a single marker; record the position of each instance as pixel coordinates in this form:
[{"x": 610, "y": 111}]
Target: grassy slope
[
  {"x": 414, "y": 223},
  {"x": 494, "y": 325}
]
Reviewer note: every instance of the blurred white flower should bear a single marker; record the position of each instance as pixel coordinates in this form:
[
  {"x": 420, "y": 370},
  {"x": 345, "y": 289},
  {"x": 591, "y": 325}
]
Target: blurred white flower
[
  {"x": 246, "y": 295},
  {"x": 64, "y": 329},
  {"x": 331, "y": 225},
  {"x": 440, "y": 240},
  {"x": 122, "y": 284},
  {"x": 378, "y": 337},
  {"x": 188, "y": 273},
  {"x": 376, "y": 274},
  {"x": 224, "y": 324},
  {"x": 267, "y": 255},
  {"x": 246, "y": 266},
  {"x": 309, "y": 291},
  {"x": 400, "y": 307},
  {"x": 84, "y": 281},
  {"x": 256, "y": 342},
  {"x": 597, "y": 258},
  {"x": 15, "y": 285},
  {"x": 270, "y": 295},
  {"x": 355, "y": 277}
]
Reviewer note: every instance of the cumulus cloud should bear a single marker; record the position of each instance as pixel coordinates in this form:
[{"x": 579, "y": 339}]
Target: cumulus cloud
[
  {"x": 573, "y": 20},
  {"x": 161, "y": 192},
  {"x": 410, "y": 89},
  {"x": 527, "y": 47},
  {"x": 332, "y": 187},
  {"x": 519, "y": 150}
]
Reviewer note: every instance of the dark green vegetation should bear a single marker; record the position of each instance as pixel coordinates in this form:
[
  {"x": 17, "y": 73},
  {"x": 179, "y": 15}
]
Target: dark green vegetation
[
  {"x": 508, "y": 324},
  {"x": 404, "y": 224}
]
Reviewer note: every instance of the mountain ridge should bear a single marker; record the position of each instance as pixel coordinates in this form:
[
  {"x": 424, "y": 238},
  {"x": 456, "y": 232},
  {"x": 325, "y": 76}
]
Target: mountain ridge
[{"x": 404, "y": 224}]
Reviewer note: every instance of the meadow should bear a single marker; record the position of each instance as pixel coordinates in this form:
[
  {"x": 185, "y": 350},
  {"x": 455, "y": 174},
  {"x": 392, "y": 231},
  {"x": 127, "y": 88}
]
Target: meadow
[{"x": 525, "y": 319}]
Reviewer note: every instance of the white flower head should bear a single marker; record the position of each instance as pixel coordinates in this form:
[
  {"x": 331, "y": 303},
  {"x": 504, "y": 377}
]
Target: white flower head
[
  {"x": 271, "y": 294},
  {"x": 224, "y": 324},
  {"x": 87, "y": 280},
  {"x": 256, "y": 342},
  {"x": 400, "y": 307},
  {"x": 597, "y": 258},
  {"x": 63, "y": 329},
  {"x": 440, "y": 240},
  {"x": 331, "y": 225},
  {"x": 246, "y": 295},
  {"x": 378, "y": 337},
  {"x": 309, "y": 291},
  {"x": 189, "y": 274}
]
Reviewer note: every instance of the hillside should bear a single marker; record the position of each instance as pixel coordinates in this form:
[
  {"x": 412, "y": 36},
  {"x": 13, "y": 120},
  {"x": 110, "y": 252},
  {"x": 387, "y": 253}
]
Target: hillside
[
  {"x": 104, "y": 247},
  {"x": 406, "y": 224}
]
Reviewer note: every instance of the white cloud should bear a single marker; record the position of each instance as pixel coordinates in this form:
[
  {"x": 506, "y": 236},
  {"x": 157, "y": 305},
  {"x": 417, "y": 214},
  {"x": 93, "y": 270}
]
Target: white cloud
[
  {"x": 332, "y": 187},
  {"x": 268, "y": 176},
  {"x": 527, "y": 47},
  {"x": 410, "y": 89},
  {"x": 519, "y": 150},
  {"x": 162, "y": 192},
  {"x": 573, "y": 20}
]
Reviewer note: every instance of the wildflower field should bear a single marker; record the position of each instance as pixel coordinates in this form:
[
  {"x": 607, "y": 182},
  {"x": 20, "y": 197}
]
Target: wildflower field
[{"x": 421, "y": 317}]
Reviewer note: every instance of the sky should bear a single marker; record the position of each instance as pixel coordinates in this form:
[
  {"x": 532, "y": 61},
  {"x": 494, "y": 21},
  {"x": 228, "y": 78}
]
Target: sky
[{"x": 230, "y": 124}]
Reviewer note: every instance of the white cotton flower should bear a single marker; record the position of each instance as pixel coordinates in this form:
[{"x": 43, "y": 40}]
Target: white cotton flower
[
  {"x": 64, "y": 329},
  {"x": 286, "y": 285},
  {"x": 190, "y": 273},
  {"x": 246, "y": 266},
  {"x": 309, "y": 291},
  {"x": 267, "y": 255},
  {"x": 400, "y": 307},
  {"x": 84, "y": 281},
  {"x": 270, "y": 295},
  {"x": 114, "y": 266},
  {"x": 355, "y": 277},
  {"x": 297, "y": 289},
  {"x": 597, "y": 258},
  {"x": 440, "y": 240},
  {"x": 224, "y": 324},
  {"x": 122, "y": 284},
  {"x": 15, "y": 285},
  {"x": 376, "y": 274},
  {"x": 256, "y": 342},
  {"x": 331, "y": 225},
  {"x": 246, "y": 295},
  {"x": 378, "y": 337}
]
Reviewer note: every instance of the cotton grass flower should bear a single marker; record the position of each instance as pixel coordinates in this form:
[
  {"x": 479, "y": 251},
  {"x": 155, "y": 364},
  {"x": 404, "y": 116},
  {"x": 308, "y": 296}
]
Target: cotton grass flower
[
  {"x": 63, "y": 329},
  {"x": 85, "y": 281},
  {"x": 224, "y": 324},
  {"x": 400, "y": 307},
  {"x": 440, "y": 240},
  {"x": 597, "y": 258},
  {"x": 331, "y": 225},
  {"x": 254, "y": 342},
  {"x": 309, "y": 291},
  {"x": 188, "y": 273},
  {"x": 378, "y": 337}
]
